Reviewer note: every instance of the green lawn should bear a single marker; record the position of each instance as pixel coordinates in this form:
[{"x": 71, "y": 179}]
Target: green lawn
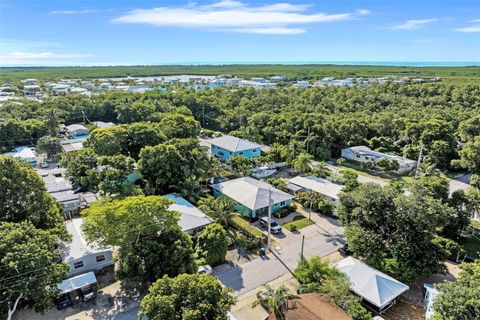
[
  {"x": 299, "y": 222},
  {"x": 244, "y": 225},
  {"x": 471, "y": 243}
]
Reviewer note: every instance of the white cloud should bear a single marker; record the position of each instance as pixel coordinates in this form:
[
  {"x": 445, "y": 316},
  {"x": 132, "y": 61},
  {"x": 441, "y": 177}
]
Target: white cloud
[
  {"x": 469, "y": 29},
  {"x": 71, "y": 11},
  {"x": 472, "y": 28},
  {"x": 20, "y": 57},
  {"x": 414, "y": 24},
  {"x": 235, "y": 16}
]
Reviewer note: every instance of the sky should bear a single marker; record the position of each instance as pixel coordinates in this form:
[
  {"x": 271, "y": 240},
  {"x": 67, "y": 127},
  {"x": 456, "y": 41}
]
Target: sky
[{"x": 145, "y": 32}]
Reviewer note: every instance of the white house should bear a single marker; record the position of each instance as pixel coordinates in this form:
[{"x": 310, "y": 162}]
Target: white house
[
  {"x": 31, "y": 89},
  {"x": 75, "y": 130},
  {"x": 103, "y": 125},
  {"x": 257, "y": 84},
  {"x": 302, "y": 84},
  {"x": 192, "y": 220},
  {"x": 329, "y": 190},
  {"x": 430, "y": 294},
  {"x": 370, "y": 284},
  {"x": 25, "y": 154},
  {"x": 30, "y": 82},
  {"x": 364, "y": 154},
  {"x": 81, "y": 256}
]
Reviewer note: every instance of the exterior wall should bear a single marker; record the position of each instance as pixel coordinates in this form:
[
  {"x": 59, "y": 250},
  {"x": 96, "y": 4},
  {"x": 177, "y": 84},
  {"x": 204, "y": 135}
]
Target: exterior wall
[
  {"x": 90, "y": 263},
  {"x": 254, "y": 213},
  {"x": 225, "y": 154}
]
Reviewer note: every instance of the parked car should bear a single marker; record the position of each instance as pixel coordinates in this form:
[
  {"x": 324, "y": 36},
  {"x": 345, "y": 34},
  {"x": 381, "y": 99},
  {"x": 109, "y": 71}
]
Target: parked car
[
  {"x": 87, "y": 293},
  {"x": 274, "y": 226},
  {"x": 64, "y": 302},
  {"x": 344, "y": 250},
  {"x": 206, "y": 269},
  {"x": 43, "y": 165}
]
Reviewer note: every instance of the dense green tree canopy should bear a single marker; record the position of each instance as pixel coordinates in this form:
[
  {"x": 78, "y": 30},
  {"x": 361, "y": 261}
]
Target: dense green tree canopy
[
  {"x": 187, "y": 297},
  {"x": 23, "y": 196},
  {"x": 151, "y": 243},
  {"x": 393, "y": 231},
  {"x": 29, "y": 268},
  {"x": 460, "y": 299},
  {"x": 212, "y": 245}
]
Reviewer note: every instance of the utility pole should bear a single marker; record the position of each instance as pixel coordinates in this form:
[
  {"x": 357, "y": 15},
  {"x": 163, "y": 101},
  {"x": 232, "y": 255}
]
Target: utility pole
[
  {"x": 419, "y": 161},
  {"x": 303, "y": 243},
  {"x": 269, "y": 216},
  {"x": 308, "y": 137}
]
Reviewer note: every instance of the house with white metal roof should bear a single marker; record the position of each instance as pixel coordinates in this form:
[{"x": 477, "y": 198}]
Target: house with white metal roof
[
  {"x": 192, "y": 220},
  {"x": 252, "y": 196},
  {"x": 364, "y": 154},
  {"x": 82, "y": 256},
  {"x": 226, "y": 146},
  {"x": 329, "y": 190},
  {"x": 25, "y": 154},
  {"x": 372, "y": 285}
]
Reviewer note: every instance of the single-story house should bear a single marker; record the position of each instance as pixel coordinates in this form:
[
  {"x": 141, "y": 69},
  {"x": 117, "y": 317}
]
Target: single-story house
[
  {"x": 69, "y": 146},
  {"x": 75, "y": 130},
  {"x": 103, "y": 125},
  {"x": 192, "y": 220},
  {"x": 73, "y": 284},
  {"x": 373, "y": 286},
  {"x": 252, "y": 196},
  {"x": 81, "y": 256},
  {"x": 69, "y": 200},
  {"x": 25, "y": 154},
  {"x": 364, "y": 154},
  {"x": 329, "y": 190},
  {"x": 226, "y": 146},
  {"x": 430, "y": 294}
]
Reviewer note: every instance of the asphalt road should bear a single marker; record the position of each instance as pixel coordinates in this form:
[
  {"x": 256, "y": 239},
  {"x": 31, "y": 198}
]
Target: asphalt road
[{"x": 251, "y": 275}]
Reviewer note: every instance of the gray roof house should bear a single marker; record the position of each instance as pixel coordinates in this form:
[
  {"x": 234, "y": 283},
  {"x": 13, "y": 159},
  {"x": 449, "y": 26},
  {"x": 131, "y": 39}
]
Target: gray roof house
[
  {"x": 327, "y": 189},
  {"x": 81, "y": 256},
  {"x": 252, "y": 195},
  {"x": 227, "y": 146},
  {"x": 75, "y": 130},
  {"x": 192, "y": 220},
  {"x": 364, "y": 154}
]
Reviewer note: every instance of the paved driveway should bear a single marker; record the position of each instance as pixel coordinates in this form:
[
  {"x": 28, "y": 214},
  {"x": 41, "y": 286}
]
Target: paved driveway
[{"x": 251, "y": 275}]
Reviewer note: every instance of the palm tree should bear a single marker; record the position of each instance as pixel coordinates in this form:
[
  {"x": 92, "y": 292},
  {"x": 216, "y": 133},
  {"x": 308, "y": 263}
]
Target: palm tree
[
  {"x": 303, "y": 162},
  {"x": 292, "y": 151},
  {"x": 189, "y": 189},
  {"x": 220, "y": 209},
  {"x": 321, "y": 170},
  {"x": 275, "y": 301}
]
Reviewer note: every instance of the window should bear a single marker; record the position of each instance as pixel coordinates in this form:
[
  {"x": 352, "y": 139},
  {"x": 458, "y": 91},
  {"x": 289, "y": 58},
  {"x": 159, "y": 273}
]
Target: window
[
  {"x": 78, "y": 265},
  {"x": 357, "y": 156},
  {"x": 282, "y": 203},
  {"x": 366, "y": 158},
  {"x": 241, "y": 153},
  {"x": 100, "y": 258},
  {"x": 254, "y": 150}
]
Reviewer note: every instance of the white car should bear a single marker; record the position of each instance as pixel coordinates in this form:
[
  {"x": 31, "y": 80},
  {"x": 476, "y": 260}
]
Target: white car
[
  {"x": 274, "y": 226},
  {"x": 206, "y": 269}
]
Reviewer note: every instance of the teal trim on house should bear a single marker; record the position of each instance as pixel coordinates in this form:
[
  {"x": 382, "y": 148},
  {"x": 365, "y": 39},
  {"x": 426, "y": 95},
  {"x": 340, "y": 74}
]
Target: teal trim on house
[
  {"x": 225, "y": 154},
  {"x": 249, "y": 213}
]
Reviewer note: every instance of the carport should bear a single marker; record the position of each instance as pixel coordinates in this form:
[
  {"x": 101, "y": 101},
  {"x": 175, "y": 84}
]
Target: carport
[
  {"x": 72, "y": 284},
  {"x": 375, "y": 287}
]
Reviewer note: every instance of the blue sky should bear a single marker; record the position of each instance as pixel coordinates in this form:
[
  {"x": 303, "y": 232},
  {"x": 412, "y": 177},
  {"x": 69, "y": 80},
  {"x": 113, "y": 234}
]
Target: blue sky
[{"x": 121, "y": 32}]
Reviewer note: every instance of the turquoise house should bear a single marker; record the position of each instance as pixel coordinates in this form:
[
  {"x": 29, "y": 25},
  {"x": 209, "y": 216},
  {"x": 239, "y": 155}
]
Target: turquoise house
[
  {"x": 252, "y": 195},
  {"x": 227, "y": 146}
]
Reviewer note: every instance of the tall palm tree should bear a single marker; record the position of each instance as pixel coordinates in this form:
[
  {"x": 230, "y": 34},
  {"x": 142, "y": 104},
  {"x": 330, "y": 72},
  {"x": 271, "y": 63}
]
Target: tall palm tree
[
  {"x": 276, "y": 301},
  {"x": 220, "y": 209},
  {"x": 303, "y": 162}
]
